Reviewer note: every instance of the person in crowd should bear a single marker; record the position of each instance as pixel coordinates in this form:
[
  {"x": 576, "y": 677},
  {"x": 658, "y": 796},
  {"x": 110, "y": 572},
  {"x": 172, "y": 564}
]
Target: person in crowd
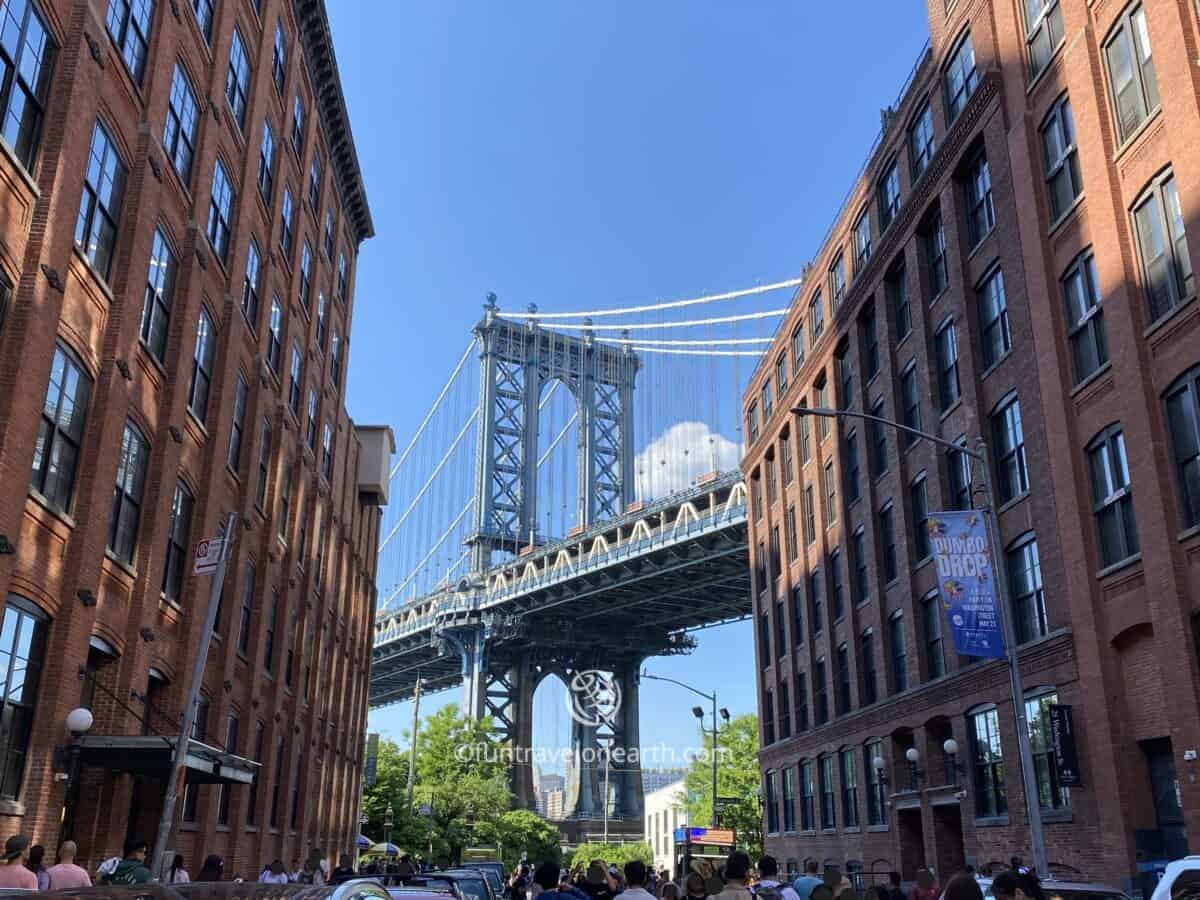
[
  {"x": 926, "y": 887},
  {"x": 178, "y": 873},
  {"x": 694, "y": 886},
  {"x": 314, "y": 868},
  {"x": 669, "y": 890},
  {"x": 635, "y": 881},
  {"x": 963, "y": 887},
  {"x": 274, "y": 873},
  {"x": 846, "y": 890},
  {"x": 895, "y": 892},
  {"x": 344, "y": 871},
  {"x": 769, "y": 887},
  {"x": 554, "y": 886},
  {"x": 132, "y": 867},
  {"x": 737, "y": 873},
  {"x": 295, "y": 870},
  {"x": 803, "y": 886},
  {"x": 14, "y": 873},
  {"x": 405, "y": 867},
  {"x": 65, "y": 875},
  {"x": 212, "y": 870},
  {"x": 518, "y": 882},
  {"x": 651, "y": 881},
  {"x": 37, "y": 853},
  {"x": 598, "y": 884},
  {"x": 1017, "y": 885},
  {"x": 880, "y": 892}
]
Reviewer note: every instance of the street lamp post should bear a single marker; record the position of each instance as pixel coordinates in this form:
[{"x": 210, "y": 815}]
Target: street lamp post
[
  {"x": 388, "y": 818},
  {"x": 698, "y": 712},
  {"x": 1032, "y": 804}
]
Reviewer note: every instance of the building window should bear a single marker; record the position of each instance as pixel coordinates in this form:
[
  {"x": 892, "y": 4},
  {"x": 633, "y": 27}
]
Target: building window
[
  {"x": 889, "y": 195},
  {"x": 789, "y": 533},
  {"x": 807, "y": 797},
  {"x": 129, "y": 24},
  {"x": 958, "y": 465},
  {"x": 231, "y": 737},
  {"x": 279, "y": 58},
  {"x": 156, "y": 305},
  {"x": 961, "y": 78},
  {"x": 798, "y": 347},
  {"x": 771, "y": 492},
  {"x": 862, "y": 241},
  {"x": 314, "y": 182},
  {"x": 1043, "y": 32},
  {"x": 850, "y": 467},
  {"x": 237, "y": 426},
  {"x": 56, "y": 453},
  {"x": 887, "y": 536},
  {"x": 846, "y": 370},
  {"x": 100, "y": 203},
  {"x": 899, "y": 652},
  {"x": 780, "y": 629},
  {"x": 820, "y": 697},
  {"x": 767, "y": 404},
  {"x": 243, "y": 639},
  {"x": 946, "y": 342},
  {"x": 1085, "y": 317},
  {"x": 870, "y": 690},
  {"x": 896, "y": 287},
  {"x": 127, "y": 494},
  {"x": 837, "y": 601},
  {"x": 764, "y": 632},
  {"x": 310, "y": 436},
  {"x": 862, "y": 578},
  {"x": 220, "y": 211},
  {"x": 920, "y": 140},
  {"x": 776, "y": 568},
  {"x": 823, "y": 401},
  {"x": 177, "y": 543},
  {"x": 329, "y": 235},
  {"x": 305, "y": 275},
  {"x": 849, "y": 788},
  {"x": 1051, "y": 795},
  {"x": 988, "y": 764},
  {"x": 250, "y": 285},
  {"x": 816, "y": 603},
  {"x": 801, "y": 695},
  {"x": 179, "y": 136},
  {"x": 322, "y": 321},
  {"x": 830, "y": 495},
  {"x": 1112, "y": 498},
  {"x": 237, "y": 82},
  {"x": 816, "y": 318},
  {"x": 274, "y": 336},
  {"x": 810, "y": 520},
  {"x": 327, "y": 452},
  {"x": 26, "y": 64},
  {"x": 785, "y": 713},
  {"x": 335, "y": 359},
  {"x": 920, "y": 519},
  {"x": 768, "y": 716},
  {"x": 1131, "y": 71},
  {"x": 876, "y": 802},
  {"x": 203, "y": 10},
  {"x": 870, "y": 344},
  {"x": 933, "y": 240},
  {"x": 22, "y": 649},
  {"x": 287, "y": 235},
  {"x": 828, "y": 819},
  {"x": 269, "y": 641},
  {"x": 785, "y": 457},
  {"x": 264, "y": 465},
  {"x": 297, "y": 795},
  {"x": 298, "y": 126},
  {"x": 278, "y": 787},
  {"x": 878, "y": 437},
  {"x": 1060, "y": 156},
  {"x": 994, "y": 332},
  {"x": 752, "y": 422},
  {"x": 931, "y": 623},
  {"x": 805, "y": 448},
  {"x": 252, "y": 801},
  {"x": 343, "y": 278},
  {"x": 202, "y": 364},
  {"x": 981, "y": 214},
  {"x": 1183, "y": 423},
  {"x": 1162, "y": 244},
  {"x": 266, "y": 163},
  {"x": 910, "y": 398},
  {"x": 841, "y": 675},
  {"x": 837, "y": 281},
  {"x": 789, "y": 802},
  {"x": 1025, "y": 583},
  {"x": 798, "y": 610},
  {"x": 1008, "y": 439}
]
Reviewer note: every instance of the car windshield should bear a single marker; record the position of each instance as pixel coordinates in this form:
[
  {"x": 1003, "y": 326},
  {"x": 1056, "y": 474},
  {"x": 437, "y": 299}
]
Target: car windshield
[
  {"x": 473, "y": 888},
  {"x": 1186, "y": 886}
]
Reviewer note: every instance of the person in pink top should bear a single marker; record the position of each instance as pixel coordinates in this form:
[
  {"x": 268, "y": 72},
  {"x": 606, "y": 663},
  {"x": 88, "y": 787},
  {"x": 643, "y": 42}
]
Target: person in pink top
[
  {"x": 66, "y": 874},
  {"x": 14, "y": 874}
]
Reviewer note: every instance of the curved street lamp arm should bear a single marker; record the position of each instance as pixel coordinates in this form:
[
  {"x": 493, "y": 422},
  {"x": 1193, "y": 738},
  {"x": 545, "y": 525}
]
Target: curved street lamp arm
[{"x": 849, "y": 414}]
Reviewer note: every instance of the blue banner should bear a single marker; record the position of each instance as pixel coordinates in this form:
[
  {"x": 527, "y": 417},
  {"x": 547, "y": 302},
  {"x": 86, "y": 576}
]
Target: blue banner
[{"x": 967, "y": 582}]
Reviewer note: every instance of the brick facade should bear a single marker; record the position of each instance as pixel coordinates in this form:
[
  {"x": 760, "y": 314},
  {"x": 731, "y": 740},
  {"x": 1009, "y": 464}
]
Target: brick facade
[
  {"x": 298, "y": 667},
  {"x": 1116, "y": 641}
]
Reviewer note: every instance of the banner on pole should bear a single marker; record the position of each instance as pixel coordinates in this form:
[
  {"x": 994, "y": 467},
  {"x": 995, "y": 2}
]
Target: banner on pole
[
  {"x": 967, "y": 582},
  {"x": 1062, "y": 739},
  {"x": 372, "y": 763}
]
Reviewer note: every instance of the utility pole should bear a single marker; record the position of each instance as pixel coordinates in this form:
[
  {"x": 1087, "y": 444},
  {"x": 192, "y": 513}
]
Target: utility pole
[
  {"x": 178, "y": 770},
  {"x": 412, "y": 751}
]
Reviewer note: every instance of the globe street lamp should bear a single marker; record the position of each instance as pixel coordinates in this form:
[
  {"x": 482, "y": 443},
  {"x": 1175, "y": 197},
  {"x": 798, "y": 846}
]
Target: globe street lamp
[{"x": 79, "y": 722}]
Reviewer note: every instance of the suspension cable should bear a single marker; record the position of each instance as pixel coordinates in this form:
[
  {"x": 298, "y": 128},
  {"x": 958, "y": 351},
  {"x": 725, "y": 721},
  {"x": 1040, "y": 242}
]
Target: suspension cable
[
  {"x": 554, "y": 443},
  {"x": 631, "y": 326},
  {"x": 433, "y": 409},
  {"x": 685, "y": 343},
  {"x": 669, "y": 352},
  {"x": 674, "y": 304},
  {"x": 445, "y": 534}
]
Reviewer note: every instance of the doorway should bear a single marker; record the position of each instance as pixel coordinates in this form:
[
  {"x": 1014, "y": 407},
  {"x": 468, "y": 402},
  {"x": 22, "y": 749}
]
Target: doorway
[
  {"x": 912, "y": 842},
  {"x": 948, "y": 838}
]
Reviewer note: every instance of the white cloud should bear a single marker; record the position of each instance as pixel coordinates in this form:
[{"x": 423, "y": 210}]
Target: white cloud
[{"x": 680, "y": 455}]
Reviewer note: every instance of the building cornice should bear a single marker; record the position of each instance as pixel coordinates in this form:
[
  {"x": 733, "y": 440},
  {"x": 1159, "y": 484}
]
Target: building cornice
[{"x": 313, "y": 25}]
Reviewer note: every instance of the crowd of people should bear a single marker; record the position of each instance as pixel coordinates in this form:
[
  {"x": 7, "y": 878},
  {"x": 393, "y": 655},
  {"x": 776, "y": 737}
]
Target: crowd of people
[{"x": 738, "y": 879}]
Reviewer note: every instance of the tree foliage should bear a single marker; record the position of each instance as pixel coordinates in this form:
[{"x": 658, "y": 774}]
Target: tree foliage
[
  {"x": 612, "y": 854},
  {"x": 737, "y": 777},
  {"x": 521, "y": 831}
]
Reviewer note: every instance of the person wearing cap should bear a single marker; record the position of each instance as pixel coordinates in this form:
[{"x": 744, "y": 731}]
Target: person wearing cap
[{"x": 14, "y": 874}]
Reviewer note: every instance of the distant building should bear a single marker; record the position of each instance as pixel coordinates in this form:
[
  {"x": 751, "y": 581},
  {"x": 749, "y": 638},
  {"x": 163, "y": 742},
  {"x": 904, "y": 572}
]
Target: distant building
[
  {"x": 665, "y": 812},
  {"x": 654, "y": 779},
  {"x": 547, "y": 783},
  {"x": 552, "y": 804}
]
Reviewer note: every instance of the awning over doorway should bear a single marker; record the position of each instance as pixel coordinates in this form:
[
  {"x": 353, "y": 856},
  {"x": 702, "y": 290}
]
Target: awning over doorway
[{"x": 151, "y": 755}]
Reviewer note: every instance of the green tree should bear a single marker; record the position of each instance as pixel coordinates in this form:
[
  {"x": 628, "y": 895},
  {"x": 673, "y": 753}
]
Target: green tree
[
  {"x": 737, "y": 776},
  {"x": 612, "y": 854},
  {"x": 391, "y": 788},
  {"x": 521, "y": 831}
]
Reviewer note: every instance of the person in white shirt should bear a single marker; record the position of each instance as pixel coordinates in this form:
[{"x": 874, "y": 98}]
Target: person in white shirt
[
  {"x": 177, "y": 874},
  {"x": 274, "y": 873},
  {"x": 769, "y": 887},
  {"x": 635, "y": 882}
]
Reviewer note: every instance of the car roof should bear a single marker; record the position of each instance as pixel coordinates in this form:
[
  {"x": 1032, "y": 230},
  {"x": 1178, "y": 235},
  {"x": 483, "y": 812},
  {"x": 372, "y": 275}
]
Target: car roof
[{"x": 1055, "y": 884}]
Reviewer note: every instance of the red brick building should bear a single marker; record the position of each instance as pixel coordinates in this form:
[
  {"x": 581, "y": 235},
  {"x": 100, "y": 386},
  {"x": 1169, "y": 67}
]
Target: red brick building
[
  {"x": 182, "y": 209},
  {"x": 1014, "y": 263}
]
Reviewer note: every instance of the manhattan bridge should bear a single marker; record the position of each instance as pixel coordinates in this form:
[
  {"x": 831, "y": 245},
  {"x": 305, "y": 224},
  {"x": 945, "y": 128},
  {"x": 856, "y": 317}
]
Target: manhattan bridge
[{"x": 571, "y": 502}]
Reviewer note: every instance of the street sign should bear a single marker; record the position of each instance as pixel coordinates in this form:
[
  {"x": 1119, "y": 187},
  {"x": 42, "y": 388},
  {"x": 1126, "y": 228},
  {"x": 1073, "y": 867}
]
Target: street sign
[
  {"x": 1062, "y": 739},
  {"x": 207, "y": 556}
]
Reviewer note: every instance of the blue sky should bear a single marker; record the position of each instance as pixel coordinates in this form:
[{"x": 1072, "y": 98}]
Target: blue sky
[{"x": 588, "y": 155}]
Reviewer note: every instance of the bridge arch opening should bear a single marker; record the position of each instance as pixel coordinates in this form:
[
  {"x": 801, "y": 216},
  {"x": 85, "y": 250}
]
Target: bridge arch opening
[
  {"x": 558, "y": 499},
  {"x": 551, "y": 745}
]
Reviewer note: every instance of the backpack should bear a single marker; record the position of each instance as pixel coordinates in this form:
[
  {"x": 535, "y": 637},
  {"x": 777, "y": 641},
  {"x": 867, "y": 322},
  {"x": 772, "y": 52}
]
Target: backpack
[{"x": 768, "y": 892}]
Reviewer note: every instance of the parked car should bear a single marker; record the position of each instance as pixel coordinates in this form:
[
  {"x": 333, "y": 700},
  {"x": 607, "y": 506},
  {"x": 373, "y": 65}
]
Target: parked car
[
  {"x": 357, "y": 889},
  {"x": 1069, "y": 890},
  {"x": 493, "y": 872},
  {"x": 471, "y": 883},
  {"x": 1180, "y": 881}
]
